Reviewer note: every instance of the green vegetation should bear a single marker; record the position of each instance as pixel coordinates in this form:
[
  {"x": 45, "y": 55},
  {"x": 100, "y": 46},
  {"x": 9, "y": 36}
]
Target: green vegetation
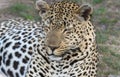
[
  {"x": 97, "y": 1},
  {"x": 23, "y": 10},
  {"x": 99, "y": 11},
  {"x": 101, "y": 37},
  {"x": 109, "y": 61}
]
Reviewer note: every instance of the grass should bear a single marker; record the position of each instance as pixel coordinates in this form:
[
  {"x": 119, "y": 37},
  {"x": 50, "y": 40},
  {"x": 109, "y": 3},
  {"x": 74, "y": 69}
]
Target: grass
[
  {"x": 24, "y": 11},
  {"x": 106, "y": 20},
  {"x": 109, "y": 62},
  {"x": 97, "y": 1},
  {"x": 112, "y": 62},
  {"x": 101, "y": 37},
  {"x": 99, "y": 11}
]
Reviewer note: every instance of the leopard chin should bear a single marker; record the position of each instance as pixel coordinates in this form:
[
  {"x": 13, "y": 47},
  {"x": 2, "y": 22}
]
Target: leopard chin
[{"x": 55, "y": 58}]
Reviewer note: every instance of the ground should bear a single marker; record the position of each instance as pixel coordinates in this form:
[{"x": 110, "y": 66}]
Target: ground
[{"x": 106, "y": 18}]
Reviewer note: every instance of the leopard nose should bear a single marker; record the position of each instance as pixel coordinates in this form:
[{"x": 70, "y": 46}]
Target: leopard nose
[{"x": 53, "y": 48}]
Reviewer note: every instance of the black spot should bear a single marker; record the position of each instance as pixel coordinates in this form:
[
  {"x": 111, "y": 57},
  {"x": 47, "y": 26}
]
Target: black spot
[
  {"x": 74, "y": 62},
  {"x": 17, "y": 54},
  {"x": 30, "y": 48},
  {"x": 24, "y": 33},
  {"x": 30, "y": 76},
  {"x": 29, "y": 42},
  {"x": 41, "y": 74},
  {"x": 5, "y": 40},
  {"x": 1, "y": 50},
  {"x": 18, "y": 32},
  {"x": 73, "y": 50},
  {"x": 75, "y": 54},
  {"x": 29, "y": 30},
  {"x": 10, "y": 56},
  {"x": 93, "y": 68},
  {"x": 29, "y": 37},
  {"x": 24, "y": 46},
  {"x": 24, "y": 30},
  {"x": 30, "y": 52},
  {"x": 4, "y": 54},
  {"x": 31, "y": 72},
  {"x": 23, "y": 50},
  {"x": 16, "y": 45},
  {"x": 3, "y": 70},
  {"x": 85, "y": 40},
  {"x": 53, "y": 67},
  {"x": 90, "y": 39},
  {"x": 17, "y": 75},
  {"x": 10, "y": 73},
  {"x": 0, "y": 60},
  {"x": 34, "y": 45},
  {"x": 25, "y": 60},
  {"x": 8, "y": 44},
  {"x": 65, "y": 67},
  {"x": 72, "y": 74},
  {"x": 15, "y": 65},
  {"x": 79, "y": 74},
  {"x": 30, "y": 33},
  {"x": 25, "y": 36},
  {"x": 33, "y": 62},
  {"x": 51, "y": 16},
  {"x": 85, "y": 73},
  {"x": 24, "y": 40},
  {"x": 22, "y": 69},
  {"x": 34, "y": 69},
  {"x": 8, "y": 62}
]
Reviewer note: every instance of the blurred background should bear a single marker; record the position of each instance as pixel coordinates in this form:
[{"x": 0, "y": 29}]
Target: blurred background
[{"x": 106, "y": 18}]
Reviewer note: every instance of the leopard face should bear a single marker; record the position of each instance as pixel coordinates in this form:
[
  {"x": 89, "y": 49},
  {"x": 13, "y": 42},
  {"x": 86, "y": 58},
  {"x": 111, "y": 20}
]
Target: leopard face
[{"x": 64, "y": 25}]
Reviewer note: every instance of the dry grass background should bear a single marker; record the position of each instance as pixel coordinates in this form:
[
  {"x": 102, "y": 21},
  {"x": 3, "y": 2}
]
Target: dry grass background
[{"x": 106, "y": 18}]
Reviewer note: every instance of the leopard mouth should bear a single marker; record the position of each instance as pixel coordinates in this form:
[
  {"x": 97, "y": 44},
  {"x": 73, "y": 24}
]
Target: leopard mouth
[
  {"x": 59, "y": 52},
  {"x": 56, "y": 52}
]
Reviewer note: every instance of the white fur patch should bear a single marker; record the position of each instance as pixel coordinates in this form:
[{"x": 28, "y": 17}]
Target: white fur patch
[
  {"x": 2, "y": 75},
  {"x": 55, "y": 58}
]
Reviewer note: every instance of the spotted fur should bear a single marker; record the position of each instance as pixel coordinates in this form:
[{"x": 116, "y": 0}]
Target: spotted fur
[
  {"x": 18, "y": 39},
  {"x": 69, "y": 48}
]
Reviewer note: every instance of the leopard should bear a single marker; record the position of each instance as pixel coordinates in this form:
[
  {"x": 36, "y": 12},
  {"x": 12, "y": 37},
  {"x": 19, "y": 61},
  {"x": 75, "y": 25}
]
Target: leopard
[
  {"x": 70, "y": 48},
  {"x": 63, "y": 44}
]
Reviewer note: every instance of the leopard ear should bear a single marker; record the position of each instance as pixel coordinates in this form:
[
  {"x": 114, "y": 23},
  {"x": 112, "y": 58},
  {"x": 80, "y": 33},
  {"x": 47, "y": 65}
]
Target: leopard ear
[
  {"x": 85, "y": 11},
  {"x": 41, "y": 6}
]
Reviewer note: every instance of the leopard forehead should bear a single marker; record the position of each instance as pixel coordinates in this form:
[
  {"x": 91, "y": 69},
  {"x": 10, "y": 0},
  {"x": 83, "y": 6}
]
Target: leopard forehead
[
  {"x": 64, "y": 7},
  {"x": 61, "y": 12}
]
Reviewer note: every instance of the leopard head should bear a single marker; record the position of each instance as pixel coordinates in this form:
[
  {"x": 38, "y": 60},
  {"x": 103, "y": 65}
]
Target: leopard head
[{"x": 64, "y": 23}]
